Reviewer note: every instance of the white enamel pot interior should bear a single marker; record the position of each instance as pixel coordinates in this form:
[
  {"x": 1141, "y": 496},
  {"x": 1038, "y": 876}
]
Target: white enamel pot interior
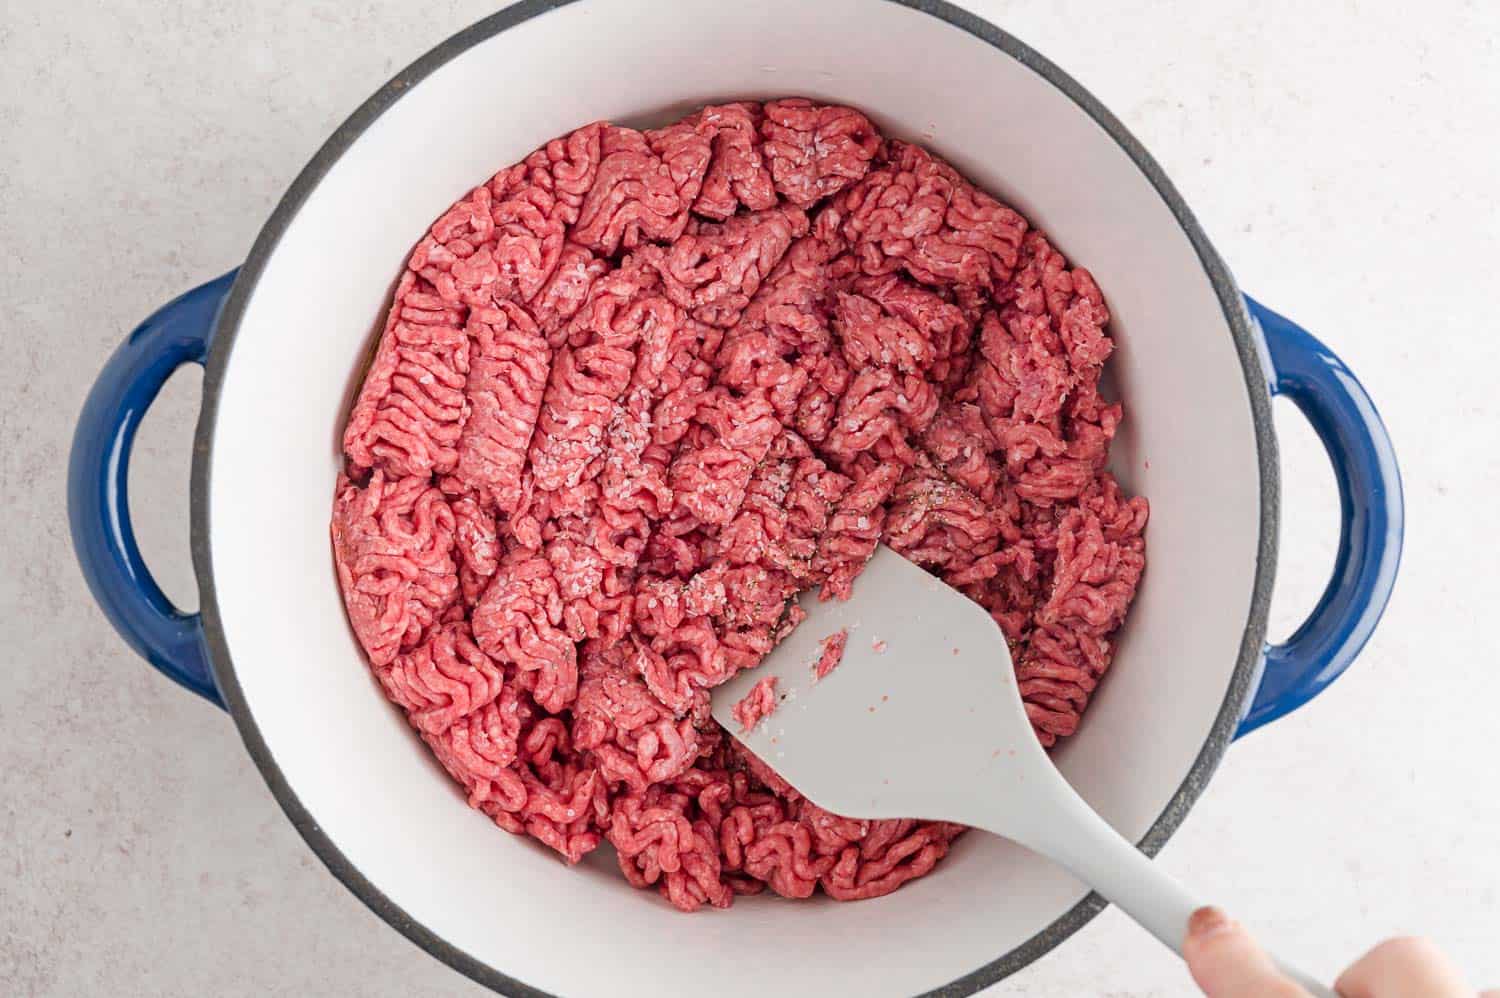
[{"x": 354, "y": 777}]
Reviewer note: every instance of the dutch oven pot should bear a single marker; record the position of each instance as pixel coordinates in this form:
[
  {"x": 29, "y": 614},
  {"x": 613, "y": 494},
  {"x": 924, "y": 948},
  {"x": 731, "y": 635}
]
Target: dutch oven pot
[{"x": 283, "y": 339}]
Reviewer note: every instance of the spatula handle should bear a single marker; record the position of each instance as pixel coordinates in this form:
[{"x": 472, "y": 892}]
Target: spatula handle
[{"x": 1085, "y": 844}]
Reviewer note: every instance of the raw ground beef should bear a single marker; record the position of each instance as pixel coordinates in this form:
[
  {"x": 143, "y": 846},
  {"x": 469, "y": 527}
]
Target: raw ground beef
[
  {"x": 831, "y": 655},
  {"x": 639, "y": 389},
  {"x": 756, "y": 705}
]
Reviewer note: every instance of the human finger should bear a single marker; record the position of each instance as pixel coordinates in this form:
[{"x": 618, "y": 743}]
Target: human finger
[
  {"x": 1408, "y": 965},
  {"x": 1227, "y": 962}
]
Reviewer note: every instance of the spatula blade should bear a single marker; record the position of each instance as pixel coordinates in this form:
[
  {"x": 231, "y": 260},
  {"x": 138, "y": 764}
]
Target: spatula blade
[{"x": 922, "y": 705}]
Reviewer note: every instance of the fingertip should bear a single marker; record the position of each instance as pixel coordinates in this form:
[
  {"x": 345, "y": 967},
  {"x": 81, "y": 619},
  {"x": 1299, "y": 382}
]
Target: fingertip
[
  {"x": 1410, "y": 948},
  {"x": 1226, "y": 962},
  {"x": 1208, "y": 921},
  {"x": 1410, "y": 964}
]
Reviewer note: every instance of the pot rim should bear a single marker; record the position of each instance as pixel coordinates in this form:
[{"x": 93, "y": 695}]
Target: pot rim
[{"x": 1247, "y": 344}]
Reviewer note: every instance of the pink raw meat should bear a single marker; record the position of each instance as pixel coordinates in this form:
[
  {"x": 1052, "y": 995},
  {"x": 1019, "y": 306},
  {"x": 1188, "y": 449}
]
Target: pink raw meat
[
  {"x": 639, "y": 390},
  {"x": 756, "y": 705},
  {"x": 831, "y": 655}
]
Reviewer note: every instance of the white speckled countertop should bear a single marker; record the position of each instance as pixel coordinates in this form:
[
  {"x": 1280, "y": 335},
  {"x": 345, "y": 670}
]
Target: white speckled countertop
[{"x": 1343, "y": 158}]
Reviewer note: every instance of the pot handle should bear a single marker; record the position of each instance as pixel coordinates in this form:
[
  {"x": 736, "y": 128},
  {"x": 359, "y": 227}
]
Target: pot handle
[
  {"x": 1372, "y": 514},
  {"x": 98, "y": 473}
]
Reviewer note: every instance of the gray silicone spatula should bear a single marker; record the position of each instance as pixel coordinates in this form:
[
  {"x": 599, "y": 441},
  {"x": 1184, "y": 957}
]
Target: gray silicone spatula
[{"x": 922, "y": 719}]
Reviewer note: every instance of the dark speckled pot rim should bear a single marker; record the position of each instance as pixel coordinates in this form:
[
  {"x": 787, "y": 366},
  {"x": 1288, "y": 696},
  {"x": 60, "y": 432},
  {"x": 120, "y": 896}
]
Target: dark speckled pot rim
[{"x": 1230, "y": 299}]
